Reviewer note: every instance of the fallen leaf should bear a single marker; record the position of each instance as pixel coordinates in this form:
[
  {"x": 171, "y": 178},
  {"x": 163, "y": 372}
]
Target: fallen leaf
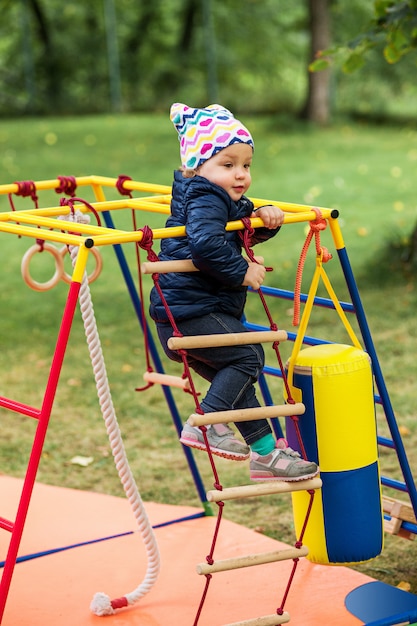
[
  {"x": 84, "y": 461},
  {"x": 405, "y": 586}
]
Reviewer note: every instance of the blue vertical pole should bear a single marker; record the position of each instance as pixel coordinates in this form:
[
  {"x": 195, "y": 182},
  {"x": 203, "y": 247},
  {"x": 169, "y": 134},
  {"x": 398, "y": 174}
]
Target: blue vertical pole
[{"x": 379, "y": 378}]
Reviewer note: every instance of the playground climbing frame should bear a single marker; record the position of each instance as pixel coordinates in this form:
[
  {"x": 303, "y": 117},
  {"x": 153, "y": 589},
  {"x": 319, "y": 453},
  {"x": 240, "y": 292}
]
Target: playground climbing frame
[{"x": 43, "y": 225}]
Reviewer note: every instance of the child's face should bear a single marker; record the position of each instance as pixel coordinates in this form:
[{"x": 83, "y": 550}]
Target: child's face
[{"x": 230, "y": 169}]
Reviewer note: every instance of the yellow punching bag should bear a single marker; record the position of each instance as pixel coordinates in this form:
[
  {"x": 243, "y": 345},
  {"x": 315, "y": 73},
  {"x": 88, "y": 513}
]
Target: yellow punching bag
[{"x": 338, "y": 431}]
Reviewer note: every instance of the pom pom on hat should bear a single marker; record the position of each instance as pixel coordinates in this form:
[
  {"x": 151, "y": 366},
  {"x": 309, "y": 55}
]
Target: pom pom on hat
[{"x": 204, "y": 132}]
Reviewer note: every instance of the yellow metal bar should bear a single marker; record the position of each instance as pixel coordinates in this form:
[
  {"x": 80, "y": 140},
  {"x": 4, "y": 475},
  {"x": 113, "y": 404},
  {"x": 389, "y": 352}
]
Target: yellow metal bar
[
  {"x": 80, "y": 264},
  {"x": 291, "y": 207},
  {"x": 105, "y": 205},
  {"x": 152, "y": 207},
  {"x": 35, "y": 233},
  {"x": 42, "y": 185},
  {"x": 131, "y": 185},
  {"x": 336, "y": 233},
  {"x": 44, "y": 218},
  {"x": 49, "y": 223},
  {"x": 102, "y": 235}
]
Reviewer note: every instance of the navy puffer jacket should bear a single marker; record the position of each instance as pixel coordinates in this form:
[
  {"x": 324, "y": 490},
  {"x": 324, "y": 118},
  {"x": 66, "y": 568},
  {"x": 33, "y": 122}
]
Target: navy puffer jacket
[{"x": 204, "y": 209}]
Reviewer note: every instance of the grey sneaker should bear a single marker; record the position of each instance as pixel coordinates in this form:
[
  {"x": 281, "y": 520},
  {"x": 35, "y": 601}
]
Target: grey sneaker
[
  {"x": 283, "y": 463},
  {"x": 221, "y": 439}
]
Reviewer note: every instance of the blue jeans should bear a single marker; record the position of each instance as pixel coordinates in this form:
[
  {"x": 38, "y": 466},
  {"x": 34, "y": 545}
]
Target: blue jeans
[{"x": 232, "y": 370}]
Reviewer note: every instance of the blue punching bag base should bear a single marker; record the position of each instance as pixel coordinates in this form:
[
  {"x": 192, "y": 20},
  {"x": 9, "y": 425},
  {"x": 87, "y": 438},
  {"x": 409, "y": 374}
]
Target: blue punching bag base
[{"x": 380, "y": 604}]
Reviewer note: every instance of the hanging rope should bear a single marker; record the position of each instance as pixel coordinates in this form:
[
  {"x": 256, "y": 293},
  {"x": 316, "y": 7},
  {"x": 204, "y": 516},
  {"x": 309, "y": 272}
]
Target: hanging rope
[
  {"x": 101, "y": 604},
  {"x": 322, "y": 256},
  {"x": 316, "y": 226}
]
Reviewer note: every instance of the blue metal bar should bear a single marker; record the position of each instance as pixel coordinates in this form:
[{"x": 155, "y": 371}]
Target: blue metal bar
[
  {"x": 157, "y": 362},
  {"x": 385, "y": 442},
  {"x": 284, "y": 294},
  {"x": 310, "y": 341},
  {"x": 409, "y": 526},
  {"x": 266, "y": 394},
  {"x": 394, "y": 484},
  {"x": 385, "y": 399}
]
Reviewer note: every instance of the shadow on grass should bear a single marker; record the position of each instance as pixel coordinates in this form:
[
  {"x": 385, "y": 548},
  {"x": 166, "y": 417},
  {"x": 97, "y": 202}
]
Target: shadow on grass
[{"x": 394, "y": 263}]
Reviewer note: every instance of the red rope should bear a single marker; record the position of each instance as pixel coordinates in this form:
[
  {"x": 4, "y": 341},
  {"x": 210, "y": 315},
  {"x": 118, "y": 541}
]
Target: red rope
[
  {"x": 67, "y": 185},
  {"x": 316, "y": 226},
  {"x": 246, "y": 238},
  {"x": 298, "y": 544},
  {"x": 120, "y": 185},
  {"x": 70, "y": 202},
  {"x": 25, "y": 188},
  {"x": 210, "y": 561},
  {"x": 146, "y": 243}
]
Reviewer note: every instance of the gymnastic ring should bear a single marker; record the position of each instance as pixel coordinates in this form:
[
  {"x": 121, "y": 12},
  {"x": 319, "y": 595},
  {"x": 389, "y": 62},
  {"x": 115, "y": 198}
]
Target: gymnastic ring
[
  {"x": 59, "y": 267},
  {"x": 94, "y": 274}
]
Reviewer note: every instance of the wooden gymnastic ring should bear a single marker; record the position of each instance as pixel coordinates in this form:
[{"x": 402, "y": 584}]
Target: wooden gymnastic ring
[
  {"x": 94, "y": 274},
  {"x": 59, "y": 267}
]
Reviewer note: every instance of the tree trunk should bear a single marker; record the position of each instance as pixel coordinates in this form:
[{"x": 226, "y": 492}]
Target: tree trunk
[
  {"x": 52, "y": 74},
  {"x": 317, "y": 105}
]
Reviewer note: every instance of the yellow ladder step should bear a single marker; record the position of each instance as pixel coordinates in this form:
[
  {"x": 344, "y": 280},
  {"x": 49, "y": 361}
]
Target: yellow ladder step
[
  {"x": 245, "y": 415},
  {"x": 263, "y": 489},
  {"x": 252, "y": 559},
  {"x": 227, "y": 339}
]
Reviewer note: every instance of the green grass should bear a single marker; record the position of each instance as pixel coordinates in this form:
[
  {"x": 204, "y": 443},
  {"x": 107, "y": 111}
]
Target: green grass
[{"x": 367, "y": 173}]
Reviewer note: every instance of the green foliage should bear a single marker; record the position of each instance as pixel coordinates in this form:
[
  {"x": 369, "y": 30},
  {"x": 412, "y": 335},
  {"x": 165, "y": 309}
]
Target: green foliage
[
  {"x": 393, "y": 27},
  {"x": 162, "y": 50},
  {"x": 62, "y": 58}
]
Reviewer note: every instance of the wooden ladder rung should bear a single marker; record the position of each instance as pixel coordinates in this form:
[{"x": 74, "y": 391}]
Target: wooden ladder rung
[
  {"x": 266, "y": 620},
  {"x": 263, "y": 489},
  {"x": 166, "y": 267},
  {"x": 182, "y": 265},
  {"x": 252, "y": 559},
  {"x": 246, "y": 415},
  {"x": 399, "y": 512},
  {"x": 167, "y": 379},
  {"x": 227, "y": 339}
]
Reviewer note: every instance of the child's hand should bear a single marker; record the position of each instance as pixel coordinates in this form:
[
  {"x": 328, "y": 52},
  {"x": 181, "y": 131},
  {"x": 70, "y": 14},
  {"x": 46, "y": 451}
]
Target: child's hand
[
  {"x": 254, "y": 276},
  {"x": 272, "y": 216}
]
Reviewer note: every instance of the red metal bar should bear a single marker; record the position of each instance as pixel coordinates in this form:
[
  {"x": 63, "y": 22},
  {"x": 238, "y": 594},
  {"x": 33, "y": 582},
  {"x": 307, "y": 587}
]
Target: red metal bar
[
  {"x": 19, "y": 407},
  {"x": 38, "y": 442}
]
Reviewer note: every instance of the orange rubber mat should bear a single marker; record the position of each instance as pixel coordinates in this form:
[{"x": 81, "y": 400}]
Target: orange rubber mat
[{"x": 57, "y": 589}]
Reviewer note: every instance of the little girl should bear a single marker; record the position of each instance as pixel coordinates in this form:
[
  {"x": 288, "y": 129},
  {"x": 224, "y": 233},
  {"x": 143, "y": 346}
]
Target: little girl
[{"x": 208, "y": 191}]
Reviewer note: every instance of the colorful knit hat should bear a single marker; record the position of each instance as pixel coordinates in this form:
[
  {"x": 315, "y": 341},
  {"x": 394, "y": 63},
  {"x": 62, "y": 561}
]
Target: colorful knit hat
[{"x": 204, "y": 132}]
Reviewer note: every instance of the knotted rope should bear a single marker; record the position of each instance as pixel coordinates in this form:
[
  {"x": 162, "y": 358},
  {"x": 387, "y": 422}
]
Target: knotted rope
[
  {"x": 316, "y": 226},
  {"x": 67, "y": 185},
  {"x": 25, "y": 188}
]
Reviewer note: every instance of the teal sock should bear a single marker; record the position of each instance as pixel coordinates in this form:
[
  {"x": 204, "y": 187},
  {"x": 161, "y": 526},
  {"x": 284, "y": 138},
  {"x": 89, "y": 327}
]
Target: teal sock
[{"x": 264, "y": 446}]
